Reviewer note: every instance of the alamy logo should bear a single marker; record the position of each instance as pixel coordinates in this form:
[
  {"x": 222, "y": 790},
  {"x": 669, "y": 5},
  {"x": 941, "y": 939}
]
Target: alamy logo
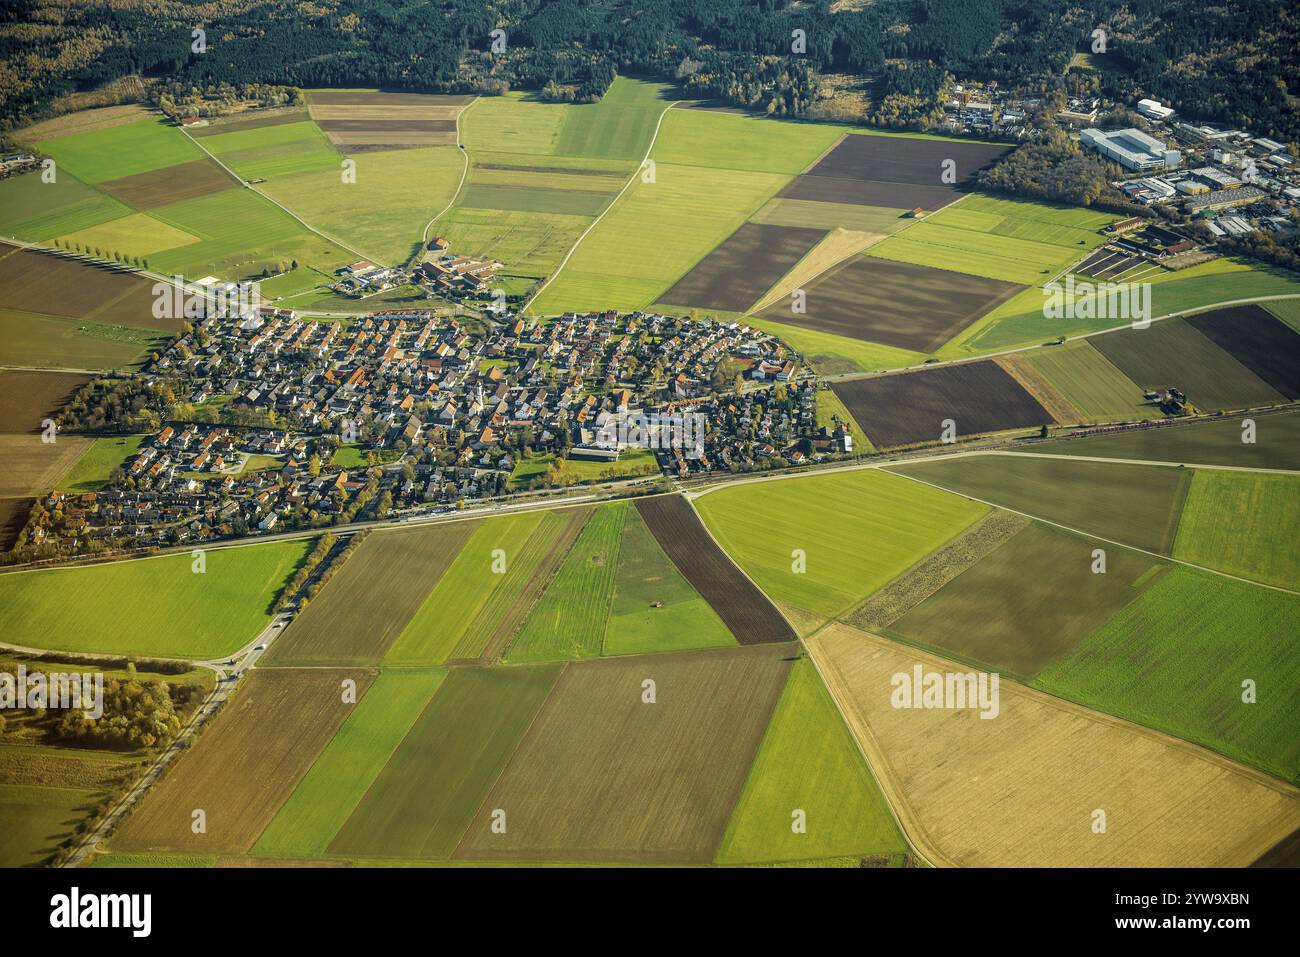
[
  {"x": 951, "y": 690},
  {"x": 55, "y": 690},
  {"x": 175, "y": 300},
  {"x": 74, "y": 909},
  {"x": 1103, "y": 300}
]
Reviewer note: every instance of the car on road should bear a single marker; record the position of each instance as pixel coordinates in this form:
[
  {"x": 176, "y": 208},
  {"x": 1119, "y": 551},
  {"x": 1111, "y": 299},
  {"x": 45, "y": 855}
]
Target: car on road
[{"x": 261, "y": 647}]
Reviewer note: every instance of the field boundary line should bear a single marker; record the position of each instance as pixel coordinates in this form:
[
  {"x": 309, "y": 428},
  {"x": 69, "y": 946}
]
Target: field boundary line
[
  {"x": 1099, "y": 538},
  {"x": 604, "y": 212},
  {"x": 464, "y": 174},
  {"x": 276, "y": 202},
  {"x": 1113, "y": 461}
]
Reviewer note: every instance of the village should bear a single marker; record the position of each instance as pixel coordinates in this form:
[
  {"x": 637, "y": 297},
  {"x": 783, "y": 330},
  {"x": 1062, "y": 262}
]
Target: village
[{"x": 408, "y": 413}]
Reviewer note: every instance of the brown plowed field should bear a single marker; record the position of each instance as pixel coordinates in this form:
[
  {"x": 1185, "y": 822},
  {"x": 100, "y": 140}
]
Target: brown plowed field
[
  {"x": 28, "y": 397},
  {"x": 743, "y": 267},
  {"x": 380, "y": 127},
  {"x": 909, "y": 408},
  {"x": 895, "y": 304},
  {"x": 170, "y": 184},
  {"x": 866, "y": 192},
  {"x": 245, "y": 765},
  {"x": 745, "y": 610},
  {"x": 377, "y": 99},
  {"x": 256, "y": 120},
  {"x": 1258, "y": 340},
  {"x": 602, "y": 775},
  {"x": 13, "y": 516}
]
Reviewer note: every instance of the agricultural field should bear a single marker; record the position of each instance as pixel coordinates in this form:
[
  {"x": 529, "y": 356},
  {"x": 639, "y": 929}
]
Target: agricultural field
[
  {"x": 740, "y": 269},
  {"x": 1198, "y": 442},
  {"x": 912, "y": 408},
  {"x": 1136, "y": 505},
  {"x": 49, "y": 342},
  {"x": 832, "y": 519},
  {"x": 14, "y": 513},
  {"x": 604, "y": 775},
  {"x": 246, "y": 765},
  {"x": 366, "y": 119},
  {"x": 28, "y": 398},
  {"x": 745, "y": 610},
  {"x": 188, "y": 614},
  {"x": 1177, "y": 660},
  {"x": 808, "y": 762},
  {"x": 369, "y": 601},
  {"x": 1259, "y": 341},
  {"x": 93, "y": 469},
  {"x": 33, "y": 467},
  {"x": 1090, "y": 382},
  {"x": 85, "y": 292},
  {"x": 1244, "y": 523},
  {"x": 1020, "y": 790}
]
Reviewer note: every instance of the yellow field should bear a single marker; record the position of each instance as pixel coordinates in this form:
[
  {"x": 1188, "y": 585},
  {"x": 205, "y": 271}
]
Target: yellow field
[
  {"x": 835, "y": 247},
  {"x": 1021, "y": 789}
]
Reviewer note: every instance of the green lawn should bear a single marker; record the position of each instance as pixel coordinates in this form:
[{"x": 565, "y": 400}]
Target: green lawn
[
  {"x": 808, "y": 762},
  {"x": 655, "y": 609},
  {"x": 569, "y": 620},
  {"x": 150, "y": 607},
  {"x": 857, "y": 529},
  {"x": 93, "y": 469},
  {"x": 339, "y": 779},
  {"x": 1176, "y": 660},
  {"x": 1243, "y": 523}
]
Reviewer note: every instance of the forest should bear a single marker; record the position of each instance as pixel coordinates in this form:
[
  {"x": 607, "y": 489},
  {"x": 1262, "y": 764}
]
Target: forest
[{"x": 1234, "y": 63}]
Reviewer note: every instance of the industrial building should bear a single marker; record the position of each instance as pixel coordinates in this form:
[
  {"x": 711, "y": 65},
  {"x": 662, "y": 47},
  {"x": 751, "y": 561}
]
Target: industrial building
[{"x": 1133, "y": 149}]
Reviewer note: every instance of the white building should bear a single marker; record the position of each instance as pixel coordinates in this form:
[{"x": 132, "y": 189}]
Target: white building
[
  {"x": 1133, "y": 149},
  {"x": 1152, "y": 109}
]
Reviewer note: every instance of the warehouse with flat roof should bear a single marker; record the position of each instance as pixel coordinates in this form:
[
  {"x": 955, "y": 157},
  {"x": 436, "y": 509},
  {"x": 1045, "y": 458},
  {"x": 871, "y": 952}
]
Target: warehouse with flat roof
[{"x": 1133, "y": 149}]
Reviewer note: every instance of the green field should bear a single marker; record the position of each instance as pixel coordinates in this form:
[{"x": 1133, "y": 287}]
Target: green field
[
  {"x": 38, "y": 819},
  {"x": 619, "y": 126},
  {"x": 831, "y": 354},
  {"x": 140, "y": 233},
  {"x": 1091, "y": 382},
  {"x": 1135, "y": 505},
  {"x": 38, "y": 211},
  {"x": 738, "y": 142},
  {"x": 1203, "y": 442},
  {"x": 530, "y": 244},
  {"x": 93, "y": 469},
  {"x": 812, "y": 214},
  {"x": 857, "y": 529},
  {"x": 52, "y": 342},
  {"x": 339, "y": 779},
  {"x": 808, "y": 762},
  {"x": 655, "y": 609},
  {"x": 1245, "y": 524},
  {"x": 631, "y": 462},
  {"x": 102, "y": 155},
  {"x": 1027, "y": 603},
  {"x": 517, "y": 122},
  {"x": 429, "y": 790},
  {"x": 275, "y": 152},
  {"x": 151, "y": 607},
  {"x": 569, "y": 620},
  {"x": 1176, "y": 660}
]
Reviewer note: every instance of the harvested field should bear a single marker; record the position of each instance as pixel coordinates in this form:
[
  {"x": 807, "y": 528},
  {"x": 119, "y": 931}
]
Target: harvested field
[
  {"x": 368, "y": 602},
  {"x": 569, "y": 202},
  {"x": 603, "y": 775},
  {"x": 31, "y": 467},
  {"x": 1259, "y": 341},
  {"x": 170, "y": 185},
  {"x": 377, "y": 99},
  {"x": 391, "y": 120},
  {"x": 747, "y": 612},
  {"x": 1033, "y": 381},
  {"x": 53, "y": 286},
  {"x": 1027, "y": 603},
  {"x": 58, "y": 767},
  {"x": 898, "y": 304},
  {"x": 871, "y": 193},
  {"x": 747, "y": 263},
  {"x": 1137, "y": 505},
  {"x": 1176, "y": 660},
  {"x": 255, "y": 121},
  {"x": 834, "y": 248},
  {"x": 905, "y": 160},
  {"x": 1088, "y": 381},
  {"x": 382, "y": 127},
  {"x": 26, "y": 398},
  {"x": 935, "y": 570},
  {"x": 82, "y": 121},
  {"x": 421, "y": 802},
  {"x": 1205, "y": 442},
  {"x": 37, "y": 820},
  {"x": 815, "y": 215},
  {"x": 1173, "y": 353},
  {"x": 911, "y": 407},
  {"x": 1021, "y": 790},
  {"x": 246, "y": 765}
]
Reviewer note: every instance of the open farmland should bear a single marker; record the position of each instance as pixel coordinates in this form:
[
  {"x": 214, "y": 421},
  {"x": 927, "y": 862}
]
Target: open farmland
[
  {"x": 1027, "y": 603},
  {"x": 1243, "y": 523},
  {"x": 654, "y": 608},
  {"x": 1090, "y": 382},
  {"x": 911, "y": 408},
  {"x": 14, "y": 513},
  {"x": 831, "y": 519},
  {"x": 246, "y": 765},
  {"x": 1259, "y": 341},
  {"x": 40, "y": 211},
  {"x": 810, "y": 763},
  {"x": 189, "y": 615},
  {"x": 603, "y": 775},
  {"x": 368, "y": 602},
  {"x": 373, "y": 120},
  {"x": 1177, "y": 660},
  {"x": 50, "y": 342},
  {"x": 1204, "y": 442},
  {"x": 749, "y": 261},
  {"x": 112, "y": 153},
  {"x": 1136, "y": 505},
  {"x": 33, "y": 467},
  {"x": 1175, "y": 354},
  {"x": 910, "y": 307},
  {"x": 92, "y": 471},
  {"x": 429, "y": 790},
  {"x": 170, "y": 184},
  {"x": 276, "y": 151},
  {"x": 84, "y": 292},
  {"x": 339, "y": 778},
  {"x": 27, "y": 398},
  {"x": 1021, "y": 790},
  {"x": 747, "y": 612}
]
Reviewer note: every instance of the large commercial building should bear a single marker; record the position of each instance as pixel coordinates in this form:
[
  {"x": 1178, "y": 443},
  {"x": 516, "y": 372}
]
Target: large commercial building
[{"x": 1133, "y": 150}]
